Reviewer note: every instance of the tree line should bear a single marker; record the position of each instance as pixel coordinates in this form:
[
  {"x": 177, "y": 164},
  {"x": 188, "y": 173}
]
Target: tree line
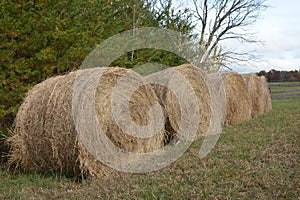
[
  {"x": 280, "y": 76},
  {"x": 44, "y": 38}
]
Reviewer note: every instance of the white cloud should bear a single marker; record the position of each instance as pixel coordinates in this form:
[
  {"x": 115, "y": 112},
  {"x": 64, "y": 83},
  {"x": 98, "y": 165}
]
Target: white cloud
[
  {"x": 279, "y": 28},
  {"x": 280, "y": 32}
]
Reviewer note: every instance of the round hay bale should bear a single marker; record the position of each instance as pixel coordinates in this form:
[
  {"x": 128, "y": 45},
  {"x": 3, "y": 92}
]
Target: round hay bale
[
  {"x": 169, "y": 102},
  {"x": 45, "y": 136},
  {"x": 33, "y": 145},
  {"x": 140, "y": 104},
  {"x": 266, "y": 96},
  {"x": 256, "y": 93},
  {"x": 238, "y": 102},
  {"x": 218, "y": 112},
  {"x": 218, "y": 102},
  {"x": 197, "y": 81}
]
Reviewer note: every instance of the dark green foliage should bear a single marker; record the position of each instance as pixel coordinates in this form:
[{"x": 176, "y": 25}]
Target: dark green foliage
[{"x": 44, "y": 38}]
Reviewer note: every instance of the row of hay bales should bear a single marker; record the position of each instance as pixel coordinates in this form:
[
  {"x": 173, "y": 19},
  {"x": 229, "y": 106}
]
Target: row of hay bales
[
  {"x": 46, "y": 139},
  {"x": 247, "y": 96}
]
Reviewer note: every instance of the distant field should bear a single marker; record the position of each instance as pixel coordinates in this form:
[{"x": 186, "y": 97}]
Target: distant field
[
  {"x": 258, "y": 159},
  {"x": 284, "y": 90}
]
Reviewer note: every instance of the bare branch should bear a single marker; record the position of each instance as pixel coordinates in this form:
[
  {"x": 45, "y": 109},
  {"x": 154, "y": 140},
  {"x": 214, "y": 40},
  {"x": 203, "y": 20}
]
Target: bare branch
[
  {"x": 228, "y": 16},
  {"x": 203, "y": 18}
]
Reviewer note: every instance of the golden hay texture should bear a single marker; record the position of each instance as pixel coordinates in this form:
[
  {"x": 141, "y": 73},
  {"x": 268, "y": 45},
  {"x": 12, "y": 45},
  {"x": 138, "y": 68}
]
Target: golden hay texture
[
  {"x": 238, "y": 101},
  {"x": 38, "y": 144},
  {"x": 140, "y": 104},
  {"x": 218, "y": 102},
  {"x": 255, "y": 89},
  {"x": 197, "y": 81},
  {"x": 45, "y": 138},
  {"x": 266, "y": 96},
  {"x": 218, "y": 112}
]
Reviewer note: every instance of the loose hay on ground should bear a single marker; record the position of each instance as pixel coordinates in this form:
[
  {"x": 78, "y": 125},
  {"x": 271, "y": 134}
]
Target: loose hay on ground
[{"x": 238, "y": 101}]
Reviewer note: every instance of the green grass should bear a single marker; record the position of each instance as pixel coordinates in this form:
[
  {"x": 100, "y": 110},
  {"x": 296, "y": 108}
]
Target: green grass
[
  {"x": 275, "y": 88},
  {"x": 258, "y": 159},
  {"x": 284, "y": 90},
  {"x": 286, "y": 93},
  {"x": 282, "y": 86},
  {"x": 285, "y": 84}
]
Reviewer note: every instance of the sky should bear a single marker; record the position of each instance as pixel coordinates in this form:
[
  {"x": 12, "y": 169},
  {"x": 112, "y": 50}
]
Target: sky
[{"x": 279, "y": 29}]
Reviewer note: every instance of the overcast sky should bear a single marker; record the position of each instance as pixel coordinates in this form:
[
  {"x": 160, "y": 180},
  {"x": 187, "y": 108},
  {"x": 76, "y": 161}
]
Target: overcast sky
[{"x": 279, "y": 29}]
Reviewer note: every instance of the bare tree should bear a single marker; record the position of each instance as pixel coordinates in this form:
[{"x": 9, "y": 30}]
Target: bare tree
[{"x": 223, "y": 20}]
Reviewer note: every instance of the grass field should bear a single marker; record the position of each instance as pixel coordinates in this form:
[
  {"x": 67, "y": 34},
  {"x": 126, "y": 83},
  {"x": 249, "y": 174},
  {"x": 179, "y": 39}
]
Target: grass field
[
  {"x": 284, "y": 90},
  {"x": 258, "y": 159}
]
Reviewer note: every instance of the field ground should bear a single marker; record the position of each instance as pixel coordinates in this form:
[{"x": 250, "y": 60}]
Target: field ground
[
  {"x": 284, "y": 90},
  {"x": 258, "y": 159}
]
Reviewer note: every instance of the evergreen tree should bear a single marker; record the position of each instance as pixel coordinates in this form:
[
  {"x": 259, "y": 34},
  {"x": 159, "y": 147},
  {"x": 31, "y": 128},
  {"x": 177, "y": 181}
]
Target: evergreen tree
[{"x": 43, "y": 38}]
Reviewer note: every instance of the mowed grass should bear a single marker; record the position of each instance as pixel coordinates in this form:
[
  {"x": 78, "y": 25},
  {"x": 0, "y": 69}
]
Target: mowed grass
[
  {"x": 258, "y": 159},
  {"x": 280, "y": 85},
  {"x": 284, "y": 90}
]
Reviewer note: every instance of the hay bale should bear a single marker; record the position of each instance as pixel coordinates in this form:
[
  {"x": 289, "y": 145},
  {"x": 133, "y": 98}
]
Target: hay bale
[
  {"x": 32, "y": 144},
  {"x": 266, "y": 96},
  {"x": 218, "y": 112},
  {"x": 238, "y": 101},
  {"x": 197, "y": 81},
  {"x": 256, "y": 93},
  {"x": 140, "y": 104},
  {"x": 218, "y": 102},
  {"x": 45, "y": 136}
]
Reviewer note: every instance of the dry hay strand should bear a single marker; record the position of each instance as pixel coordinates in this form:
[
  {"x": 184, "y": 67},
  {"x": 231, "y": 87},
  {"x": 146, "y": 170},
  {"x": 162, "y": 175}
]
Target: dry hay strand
[
  {"x": 256, "y": 93},
  {"x": 197, "y": 81},
  {"x": 4, "y": 149},
  {"x": 218, "y": 112},
  {"x": 238, "y": 102},
  {"x": 140, "y": 104},
  {"x": 39, "y": 144},
  {"x": 266, "y": 96},
  {"x": 45, "y": 136},
  {"x": 218, "y": 102}
]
